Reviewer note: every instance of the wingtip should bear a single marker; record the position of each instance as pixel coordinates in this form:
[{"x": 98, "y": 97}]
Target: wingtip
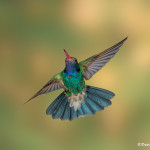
[
  {"x": 27, "y": 101},
  {"x": 121, "y": 42},
  {"x": 125, "y": 39},
  {"x": 31, "y": 98}
]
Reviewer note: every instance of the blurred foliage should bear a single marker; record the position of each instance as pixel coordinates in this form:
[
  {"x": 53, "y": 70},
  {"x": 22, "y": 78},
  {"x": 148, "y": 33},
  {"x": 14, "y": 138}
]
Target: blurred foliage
[{"x": 32, "y": 37}]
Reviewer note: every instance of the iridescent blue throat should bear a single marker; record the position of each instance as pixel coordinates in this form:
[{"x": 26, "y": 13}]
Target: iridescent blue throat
[{"x": 70, "y": 68}]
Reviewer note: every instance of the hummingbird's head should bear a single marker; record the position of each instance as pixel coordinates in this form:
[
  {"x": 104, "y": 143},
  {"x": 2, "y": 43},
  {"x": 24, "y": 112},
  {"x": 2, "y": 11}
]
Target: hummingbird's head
[
  {"x": 71, "y": 64},
  {"x": 69, "y": 58}
]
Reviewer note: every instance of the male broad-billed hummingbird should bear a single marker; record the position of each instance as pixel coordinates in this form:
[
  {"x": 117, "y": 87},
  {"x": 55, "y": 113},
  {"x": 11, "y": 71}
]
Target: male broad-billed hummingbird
[{"x": 78, "y": 99}]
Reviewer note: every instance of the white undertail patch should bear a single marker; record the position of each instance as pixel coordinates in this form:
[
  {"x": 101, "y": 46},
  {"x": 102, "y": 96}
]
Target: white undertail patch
[{"x": 76, "y": 100}]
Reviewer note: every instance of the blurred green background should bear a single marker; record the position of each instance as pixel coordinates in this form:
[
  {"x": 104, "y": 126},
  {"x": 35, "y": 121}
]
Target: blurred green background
[{"x": 32, "y": 37}]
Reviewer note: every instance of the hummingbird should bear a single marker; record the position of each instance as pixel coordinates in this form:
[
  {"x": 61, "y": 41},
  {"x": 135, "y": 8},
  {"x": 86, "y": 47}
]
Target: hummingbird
[{"x": 78, "y": 99}]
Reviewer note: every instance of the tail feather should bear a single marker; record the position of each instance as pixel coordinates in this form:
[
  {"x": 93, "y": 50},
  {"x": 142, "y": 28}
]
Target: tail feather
[
  {"x": 60, "y": 109},
  {"x": 100, "y": 100},
  {"x": 54, "y": 104},
  {"x": 95, "y": 100},
  {"x": 90, "y": 107},
  {"x": 73, "y": 114},
  {"x": 86, "y": 109},
  {"x": 66, "y": 114},
  {"x": 102, "y": 92},
  {"x": 95, "y": 106},
  {"x": 80, "y": 113}
]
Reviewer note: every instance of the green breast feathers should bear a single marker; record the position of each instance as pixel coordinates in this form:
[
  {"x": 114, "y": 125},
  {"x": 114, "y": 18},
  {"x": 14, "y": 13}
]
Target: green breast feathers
[{"x": 74, "y": 83}]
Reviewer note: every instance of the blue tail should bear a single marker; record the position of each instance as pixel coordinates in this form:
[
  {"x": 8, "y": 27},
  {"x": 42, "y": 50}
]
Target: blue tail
[{"x": 95, "y": 101}]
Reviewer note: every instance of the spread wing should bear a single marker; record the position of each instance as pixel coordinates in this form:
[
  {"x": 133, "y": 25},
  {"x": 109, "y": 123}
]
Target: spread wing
[
  {"x": 54, "y": 84},
  {"x": 93, "y": 64}
]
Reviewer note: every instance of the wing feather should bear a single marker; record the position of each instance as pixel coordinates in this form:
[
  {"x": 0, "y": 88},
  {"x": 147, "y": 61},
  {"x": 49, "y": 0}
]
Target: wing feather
[
  {"x": 54, "y": 84},
  {"x": 93, "y": 64}
]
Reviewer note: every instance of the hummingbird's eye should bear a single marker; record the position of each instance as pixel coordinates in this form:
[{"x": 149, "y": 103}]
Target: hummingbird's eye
[{"x": 74, "y": 59}]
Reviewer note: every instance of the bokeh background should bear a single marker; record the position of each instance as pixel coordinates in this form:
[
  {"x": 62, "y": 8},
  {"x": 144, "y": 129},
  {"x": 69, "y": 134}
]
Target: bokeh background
[{"x": 32, "y": 37}]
